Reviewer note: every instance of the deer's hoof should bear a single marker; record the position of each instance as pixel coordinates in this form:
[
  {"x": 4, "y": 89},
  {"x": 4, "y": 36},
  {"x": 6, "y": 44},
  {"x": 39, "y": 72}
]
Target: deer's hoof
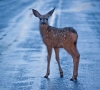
[
  {"x": 45, "y": 76},
  {"x": 61, "y": 74},
  {"x": 75, "y": 79}
]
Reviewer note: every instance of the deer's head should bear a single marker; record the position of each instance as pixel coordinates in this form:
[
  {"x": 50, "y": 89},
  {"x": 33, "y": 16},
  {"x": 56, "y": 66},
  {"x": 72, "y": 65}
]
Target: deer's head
[{"x": 43, "y": 18}]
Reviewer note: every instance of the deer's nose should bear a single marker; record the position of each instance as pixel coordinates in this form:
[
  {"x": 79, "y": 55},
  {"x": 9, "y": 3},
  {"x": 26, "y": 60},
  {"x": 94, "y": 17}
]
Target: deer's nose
[{"x": 43, "y": 21}]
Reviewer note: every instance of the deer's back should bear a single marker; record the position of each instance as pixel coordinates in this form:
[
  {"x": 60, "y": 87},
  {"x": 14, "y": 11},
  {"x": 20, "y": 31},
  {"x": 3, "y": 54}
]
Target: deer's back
[{"x": 58, "y": 37}]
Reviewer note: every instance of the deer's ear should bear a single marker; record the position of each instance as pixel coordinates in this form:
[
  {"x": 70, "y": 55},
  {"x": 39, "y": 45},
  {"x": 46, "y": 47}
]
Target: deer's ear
[
  {"x": 36, "y": 13},
  {"x": 50, "y": 12}
]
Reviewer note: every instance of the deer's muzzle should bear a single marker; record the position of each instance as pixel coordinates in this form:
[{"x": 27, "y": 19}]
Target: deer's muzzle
[{"x": 43, "y": 21}]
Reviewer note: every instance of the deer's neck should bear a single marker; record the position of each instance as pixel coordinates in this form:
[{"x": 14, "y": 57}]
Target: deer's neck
[{"x": 43, "y": 29}]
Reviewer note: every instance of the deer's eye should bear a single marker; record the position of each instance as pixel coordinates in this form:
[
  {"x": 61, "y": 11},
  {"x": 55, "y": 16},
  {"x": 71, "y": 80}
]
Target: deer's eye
[
  {"x": 46, "y": 18},
  {"x": 40, "y": 18}
]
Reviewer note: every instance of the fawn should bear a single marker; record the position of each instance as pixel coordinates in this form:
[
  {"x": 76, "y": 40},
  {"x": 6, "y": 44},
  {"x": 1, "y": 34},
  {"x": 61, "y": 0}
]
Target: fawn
[{"x": 58, "y": 38}]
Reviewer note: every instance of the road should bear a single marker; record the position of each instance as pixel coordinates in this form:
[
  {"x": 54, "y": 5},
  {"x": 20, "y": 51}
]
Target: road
[{"x": 23, "y": 54}]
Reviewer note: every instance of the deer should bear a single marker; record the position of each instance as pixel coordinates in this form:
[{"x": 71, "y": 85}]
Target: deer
[{"x": 55, "y": 38}]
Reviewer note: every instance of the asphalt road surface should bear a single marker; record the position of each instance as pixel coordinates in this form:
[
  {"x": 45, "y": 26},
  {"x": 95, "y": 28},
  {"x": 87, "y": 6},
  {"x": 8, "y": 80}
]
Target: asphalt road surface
[{"x": 23, "y": 55}]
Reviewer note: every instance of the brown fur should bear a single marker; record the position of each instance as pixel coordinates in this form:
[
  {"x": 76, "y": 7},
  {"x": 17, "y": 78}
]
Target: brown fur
[{"x": 58, "y": 38}]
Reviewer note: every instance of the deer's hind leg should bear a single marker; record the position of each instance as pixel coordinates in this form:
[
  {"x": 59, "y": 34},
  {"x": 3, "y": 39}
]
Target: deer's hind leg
[
  {"x": 72, "y": 50},
  {"x": 58, "y": 61}
]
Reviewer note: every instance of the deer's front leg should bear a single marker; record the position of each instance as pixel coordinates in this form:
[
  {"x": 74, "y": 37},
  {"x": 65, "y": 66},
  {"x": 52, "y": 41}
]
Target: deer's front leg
[
  {"x": 58, "y": 61},
  {"x": 49, "y": 50}
]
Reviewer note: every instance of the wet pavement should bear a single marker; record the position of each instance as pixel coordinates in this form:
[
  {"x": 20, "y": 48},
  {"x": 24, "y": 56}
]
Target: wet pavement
[{"x": 23, "y": 54}]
